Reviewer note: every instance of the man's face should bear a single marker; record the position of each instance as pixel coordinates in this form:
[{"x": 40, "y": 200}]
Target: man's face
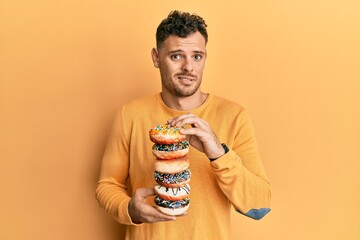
[{"x": 181, "y": 62}]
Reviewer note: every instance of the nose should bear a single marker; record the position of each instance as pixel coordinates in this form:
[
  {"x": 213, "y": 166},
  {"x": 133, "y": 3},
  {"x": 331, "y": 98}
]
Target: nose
[{"x": 187, "y": 65}]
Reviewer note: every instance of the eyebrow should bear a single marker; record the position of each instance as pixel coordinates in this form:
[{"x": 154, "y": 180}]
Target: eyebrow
[{"x": 179, "y": 51}]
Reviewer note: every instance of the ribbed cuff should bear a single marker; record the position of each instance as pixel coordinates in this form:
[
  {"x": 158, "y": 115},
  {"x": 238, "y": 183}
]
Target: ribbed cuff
[
  {"x": 226, "y": 161},
  {"x": 124, "y": 216}
]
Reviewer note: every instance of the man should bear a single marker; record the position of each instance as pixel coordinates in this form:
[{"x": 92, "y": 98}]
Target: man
[{"x": 226, "y": 170}]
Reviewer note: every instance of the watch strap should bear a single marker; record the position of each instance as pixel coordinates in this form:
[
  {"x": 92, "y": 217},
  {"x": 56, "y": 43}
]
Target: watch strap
[{"x": 226, "y": 149}]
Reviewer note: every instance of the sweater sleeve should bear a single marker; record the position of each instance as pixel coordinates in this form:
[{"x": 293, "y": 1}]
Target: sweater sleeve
[
  {"x": 111, "y": 191},
  {"x": 241, "y": 175}
]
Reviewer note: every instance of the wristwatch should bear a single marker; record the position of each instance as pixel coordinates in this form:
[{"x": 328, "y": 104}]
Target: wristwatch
[{"x": 226, "y": 149}]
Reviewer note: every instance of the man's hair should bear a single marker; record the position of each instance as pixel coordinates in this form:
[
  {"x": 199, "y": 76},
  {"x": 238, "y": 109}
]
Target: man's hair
[{"x": 180, "y": 24}]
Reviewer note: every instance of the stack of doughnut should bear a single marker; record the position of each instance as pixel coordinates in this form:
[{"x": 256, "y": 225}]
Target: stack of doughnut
[{"x": 171, "y": 174}]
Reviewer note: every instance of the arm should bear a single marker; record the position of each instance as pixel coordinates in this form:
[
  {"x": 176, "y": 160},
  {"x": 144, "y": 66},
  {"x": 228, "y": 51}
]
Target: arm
[
  {"x": 112, "y": 193},
  {"x": 239, "y": 172}
]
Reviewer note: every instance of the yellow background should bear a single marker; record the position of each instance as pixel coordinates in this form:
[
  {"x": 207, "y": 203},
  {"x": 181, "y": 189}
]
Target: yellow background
[{"x": 66, "y": 66}]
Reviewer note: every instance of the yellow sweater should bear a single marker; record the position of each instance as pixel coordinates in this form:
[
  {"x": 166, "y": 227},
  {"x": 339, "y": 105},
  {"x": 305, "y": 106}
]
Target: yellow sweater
[{"x": 236, "y": 179}]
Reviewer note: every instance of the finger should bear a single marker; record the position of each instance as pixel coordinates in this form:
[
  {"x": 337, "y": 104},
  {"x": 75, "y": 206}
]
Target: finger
[
  {"x": 145, "y": 192},
  {"x": 190, "y": 131},
  {"x": 194, "y": 121},
  {"x": 162, "y": 216},
  {"x": 198, "y": 146},
  {"x": 201, "y": 134},
  {"x": 196, "y": 143},
  {"x": 184, "y": 214},
  {"x": 149, "y": 214},
  {"x": 172, "y": 121},
  {"x": 165, "y": 217}
]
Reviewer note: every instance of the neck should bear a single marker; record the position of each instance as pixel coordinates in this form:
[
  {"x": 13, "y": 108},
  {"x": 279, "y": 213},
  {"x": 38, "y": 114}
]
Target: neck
[{"x": 184, "y": 103}]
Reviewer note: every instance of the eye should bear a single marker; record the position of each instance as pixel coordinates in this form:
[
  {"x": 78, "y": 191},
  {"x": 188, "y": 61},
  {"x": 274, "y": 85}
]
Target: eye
[
  {"x": 175, "y": 57},
  {"x": 198, "y": 57}
]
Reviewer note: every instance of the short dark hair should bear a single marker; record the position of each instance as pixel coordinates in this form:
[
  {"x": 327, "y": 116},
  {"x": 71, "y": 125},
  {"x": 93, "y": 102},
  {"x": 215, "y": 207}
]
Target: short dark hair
[{"x": 180, "y": 24}]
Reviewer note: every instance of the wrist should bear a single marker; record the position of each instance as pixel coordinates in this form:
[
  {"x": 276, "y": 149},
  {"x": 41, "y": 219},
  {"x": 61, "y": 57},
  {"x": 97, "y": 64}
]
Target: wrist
[
  {"x": 226, "y": 150},
  {"x": 132, "y": 213}
]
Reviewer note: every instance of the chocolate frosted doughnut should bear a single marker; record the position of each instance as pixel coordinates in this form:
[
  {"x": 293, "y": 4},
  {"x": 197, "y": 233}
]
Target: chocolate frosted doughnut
[
  {"x": 173, "y": 180},
  {"x": 171, "y": 204},
  {"x": 170, "y": 151},
  {"x": 172, "y": 207},
  {"x": 172, "y": 194}
]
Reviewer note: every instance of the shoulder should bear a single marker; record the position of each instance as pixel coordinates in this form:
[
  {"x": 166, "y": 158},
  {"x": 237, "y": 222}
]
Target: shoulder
[
  {"x": 136, "y": 108},
  {"x": 229, "y": 111},
  {"x": 140, "y": 104},
  {"x": 226, "y": 105}
]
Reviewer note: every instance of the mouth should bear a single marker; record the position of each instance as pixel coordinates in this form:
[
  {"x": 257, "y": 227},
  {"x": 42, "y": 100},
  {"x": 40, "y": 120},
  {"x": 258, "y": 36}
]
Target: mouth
[{"x": 185, "y": 79}]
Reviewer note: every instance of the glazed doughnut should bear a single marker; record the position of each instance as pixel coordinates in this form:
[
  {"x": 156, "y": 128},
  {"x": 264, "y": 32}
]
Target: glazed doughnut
[
  {"x": 172, "y": 166},
  {"x": 164, "y": 134},
  {"x": 172, "y": 194},
  {"x": 173, "y": 180},
  {"x": 173, "y": 208},
  {"x": 170, "y": 151}
]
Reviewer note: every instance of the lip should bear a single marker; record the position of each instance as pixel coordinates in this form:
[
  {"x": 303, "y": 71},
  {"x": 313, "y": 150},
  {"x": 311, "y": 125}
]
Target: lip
[{"x": 186, "y": 77}]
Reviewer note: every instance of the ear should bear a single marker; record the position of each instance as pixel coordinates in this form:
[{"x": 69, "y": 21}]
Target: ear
[{"x": 155, "y": 57}]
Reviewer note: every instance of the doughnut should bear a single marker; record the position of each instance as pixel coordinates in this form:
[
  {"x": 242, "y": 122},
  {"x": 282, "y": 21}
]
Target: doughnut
[
  {"x": 170, "y": 151},
  {"x": 164, "y": 134},
  {"x": 173, "y": 180},
  {"x": 173, "y": 208},
  {"x": 172, "y": 194},
  {"x": 172, "y": 174},
  {"x": 172, "y": 166}
]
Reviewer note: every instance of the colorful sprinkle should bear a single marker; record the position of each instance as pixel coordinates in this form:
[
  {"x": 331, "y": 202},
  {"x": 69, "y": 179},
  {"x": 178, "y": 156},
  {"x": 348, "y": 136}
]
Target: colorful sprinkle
[
  {"x": 172, "y": 178},
  {"x": 171, "y": 204},
  {"x": 171, "y": 147}
]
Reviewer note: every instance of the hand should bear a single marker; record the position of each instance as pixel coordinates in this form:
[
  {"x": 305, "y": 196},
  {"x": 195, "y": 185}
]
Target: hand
[
  {"x": 141, "y": 212},
  {"x": 200, "y": 136}
]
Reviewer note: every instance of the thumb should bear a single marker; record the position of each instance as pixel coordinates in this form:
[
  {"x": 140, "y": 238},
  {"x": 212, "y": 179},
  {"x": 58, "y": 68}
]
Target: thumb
[{"x": 144, "y": 192}]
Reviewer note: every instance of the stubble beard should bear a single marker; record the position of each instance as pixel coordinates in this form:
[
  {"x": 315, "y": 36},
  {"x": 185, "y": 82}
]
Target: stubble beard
[{"x": 180, "y": 91}]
